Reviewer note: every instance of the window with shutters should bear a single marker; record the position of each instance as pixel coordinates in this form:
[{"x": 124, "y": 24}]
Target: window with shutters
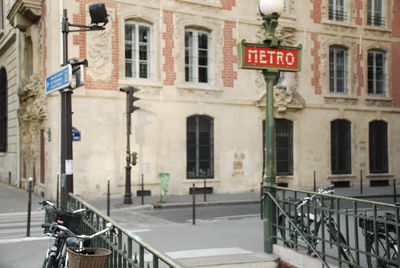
[
  {"x": 3, "y": 109},
  {"x": 375, "y": 13},
  {"x": 376, "y": 72},
  {"x": 197, "y": 56},
  {"x": 337, "y": 10},
  {"x": 338, "y": 70},
  {"x": 340, "y": 147},
  {"x": 378, "y": 147}
]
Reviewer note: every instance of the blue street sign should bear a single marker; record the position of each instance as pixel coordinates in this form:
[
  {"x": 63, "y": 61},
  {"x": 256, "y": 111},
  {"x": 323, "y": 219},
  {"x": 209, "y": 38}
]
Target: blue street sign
[
  {"x": 76, "y": 134},
  {"x": 59, "y": 80}
]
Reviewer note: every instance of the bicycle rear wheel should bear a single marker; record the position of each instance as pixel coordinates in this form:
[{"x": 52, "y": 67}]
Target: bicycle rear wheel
[
  {"x": 385, "y": 249},
  {"x": 343, "y": 247},
  {"x": 287, "y": 231}
]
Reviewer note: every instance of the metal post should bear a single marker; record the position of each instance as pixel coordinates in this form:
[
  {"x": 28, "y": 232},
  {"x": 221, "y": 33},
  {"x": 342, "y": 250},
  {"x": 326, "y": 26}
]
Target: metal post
[
  {"x": 269, "y": 166},
  {"x": 261, "y": 201},
  {"x": 361, "y": 182},
  {"x": 205, "y": 190},
  {"x": 9, "y": 177},
  {"x": 142, "y": 190},
  {"x": 394, "y": 192},
  {"x": 315, "y": 181},
  {"x": 108, "y": 197},
  {"x": 28, "y": 226},
  {"x": 58, "y": 191},
  {"x": 128, "y": 193},
  {"x": 66, "y": 126},
  {"x": 194, "y": 204}
]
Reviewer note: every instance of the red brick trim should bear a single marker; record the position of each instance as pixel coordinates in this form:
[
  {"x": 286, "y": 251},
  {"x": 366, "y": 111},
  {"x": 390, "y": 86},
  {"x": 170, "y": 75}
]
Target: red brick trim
[
  {"x": 316, "y": 14},
  {"x": 228, "y": 74},
  {"x": 359, "y": 12},
  {"x": 396, "y": 19},
  {"x": 395, "y": 77},
  {"x": 360, "y": 70},
  {"x": 168, "y": 35},
  {"x": 228, "y": 4},
  {"x": 315, "y": 65},
  {"x": 80, "y": 39}
]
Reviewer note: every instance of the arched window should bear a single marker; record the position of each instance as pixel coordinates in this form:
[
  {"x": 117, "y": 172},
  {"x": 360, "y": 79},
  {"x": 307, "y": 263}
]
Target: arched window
[
  {"x": 378, "y": 147},
  {"x": 197, "y": 56},
  {"x": 340, "y": 147},
  {"x": 138, "y": 44},
  {"x": 337, "y": 69},
  {"x": 376, "y": 72},
  {"x": 200, "y": 147},
  {"x": 3, "y": 109}
]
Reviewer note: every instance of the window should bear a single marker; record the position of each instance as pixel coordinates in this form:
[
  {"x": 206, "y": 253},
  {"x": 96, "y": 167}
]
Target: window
[
  {"x": 376, "y": 72},
  {"x": 378, "y": 147},
  {"x": 337, "y": 70},
  {"x": 3, "y": 110},
  {"x": 197, "y": 56},
  {"x": 284, "y": 146},
  {"x": 340, "y": 147},
  {"x": 337, "y": 10},
  {"x": 375, "y": 13},
  {"x": 200, "y": 147},
  {"x": 137, "y": 50}
]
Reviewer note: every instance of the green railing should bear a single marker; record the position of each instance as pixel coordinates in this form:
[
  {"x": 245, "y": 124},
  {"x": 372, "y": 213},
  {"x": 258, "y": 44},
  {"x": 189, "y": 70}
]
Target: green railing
[
  {"x": 128, "y": 250},
  {"x": 344, "y": 231}
]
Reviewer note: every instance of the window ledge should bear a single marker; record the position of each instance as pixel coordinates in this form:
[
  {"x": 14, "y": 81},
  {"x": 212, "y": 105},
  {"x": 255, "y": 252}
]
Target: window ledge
[
  {"x": 201, "y": 181},
  {"x": 2, "y": 154},
  {"x": 380, "y": 98},
  {"x": 342, "y": 176},
  {"x": 197, "y": 86},
  {"x": 340, "y": 96},
  {"x": 380, "y": 175},
  {"x": 140, "y": 82},
  {"x": 378, "y": 28},
  {"x": 209, "y": 3},
  {"x": 338, "y": 23}
]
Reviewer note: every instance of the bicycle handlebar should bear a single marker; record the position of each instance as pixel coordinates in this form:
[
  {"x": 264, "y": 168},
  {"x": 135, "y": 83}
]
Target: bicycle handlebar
[
  {"x": 305, "y": 200},
  {"x": 54, "y": 226}
]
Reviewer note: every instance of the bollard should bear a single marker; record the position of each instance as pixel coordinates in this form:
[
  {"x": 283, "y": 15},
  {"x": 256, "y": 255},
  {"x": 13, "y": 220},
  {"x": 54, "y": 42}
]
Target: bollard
[
  {"x": 261, "y": 202},
  {"x": 142, "y": 190},
  {"x": 205, "y": 190},
  {"x": 361, "y": 182},
  {"x": 58, "y": 191},
  {"x": 194, "y": 205},
  {"x": 315, "y": 182},
  {"x": 108, "y": 197},
  {"x": 9, "y": 177},
  {"x": 394, "y": 192},
  {"x": 28, "y": 227}
]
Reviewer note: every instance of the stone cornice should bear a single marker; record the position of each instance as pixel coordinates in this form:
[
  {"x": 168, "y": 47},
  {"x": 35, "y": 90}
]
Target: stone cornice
[{"x": 24, "y": 13}]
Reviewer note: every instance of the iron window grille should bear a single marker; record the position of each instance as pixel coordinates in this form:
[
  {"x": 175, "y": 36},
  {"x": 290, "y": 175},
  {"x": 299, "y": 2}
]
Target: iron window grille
[
  {"x": 340, "y": 147},
  {"x": 138, "y": 50},
  {"x": 337, "y": 70},
  {"x": 376, "y": 72},
  {"x": 200, "y": 147},
  {"x": 375, "y": 13},
  {"x": 378, "y": 147},
  {"x": 3, "y": 109},
  {"x": 337, "y": 10},
  {"x": 197, "y": 56}
]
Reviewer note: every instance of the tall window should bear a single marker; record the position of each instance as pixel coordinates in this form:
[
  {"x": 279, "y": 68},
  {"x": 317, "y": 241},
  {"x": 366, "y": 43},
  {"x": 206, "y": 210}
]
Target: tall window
[
  {"x": 337, "y": 70},
  {"x": 337, "y": 10},
  {"x": 137, "y": 50},
  {"x": 3, "y": 109},
  {"x": 376, "y": 72},
  {"x": 284, "y": 146},
  {"x": 341, "y": 147},
  {"x": 375, "y": 13},
  {"x": 378, "y": 147},
  {"x": 197, "y": 56},
  {"x": 200, "y": 147}
]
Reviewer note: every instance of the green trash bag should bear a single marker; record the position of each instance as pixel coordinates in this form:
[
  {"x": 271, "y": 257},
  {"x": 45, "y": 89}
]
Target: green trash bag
[{"x": 164, "y": 185}]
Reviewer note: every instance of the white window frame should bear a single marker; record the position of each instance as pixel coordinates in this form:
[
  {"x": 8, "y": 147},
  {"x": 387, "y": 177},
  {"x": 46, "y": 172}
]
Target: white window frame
[
  {"x": 194, "y": 49},
  {"x": 135, "y": 51},
  {"x": 374, "y": 52},
  {"x": 372, "y": 13},
  {"x": 335, "y": 71},
  {"x": 335, "y": 8}
]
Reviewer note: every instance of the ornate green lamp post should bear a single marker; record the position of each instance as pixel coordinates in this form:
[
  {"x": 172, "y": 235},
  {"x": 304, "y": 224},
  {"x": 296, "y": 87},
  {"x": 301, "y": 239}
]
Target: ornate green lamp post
[{"x": 271, "y": 58}]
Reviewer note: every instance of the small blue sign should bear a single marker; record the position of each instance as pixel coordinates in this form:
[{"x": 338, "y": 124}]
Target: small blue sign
[
  {"x": 76, "y": 134},
  {"x": 59, "y": 80}
]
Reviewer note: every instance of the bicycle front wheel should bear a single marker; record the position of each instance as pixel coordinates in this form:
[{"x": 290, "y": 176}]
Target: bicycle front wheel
[
  {"x": 50, "y": 262},
  {"x": 383, "y": 254}
]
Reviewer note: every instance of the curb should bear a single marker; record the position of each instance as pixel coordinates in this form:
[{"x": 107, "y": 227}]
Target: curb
[{"x": 205, "y": 204}]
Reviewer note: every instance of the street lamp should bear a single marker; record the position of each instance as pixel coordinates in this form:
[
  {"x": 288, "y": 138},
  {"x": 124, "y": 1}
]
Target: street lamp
[
  {"x": 98, "y": 15},
  {"x": 270, "y": 11}
]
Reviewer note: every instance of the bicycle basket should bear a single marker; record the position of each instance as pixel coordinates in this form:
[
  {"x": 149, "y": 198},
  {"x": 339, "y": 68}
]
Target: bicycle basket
[
  {"x": 66, "y": 218},
  {"x": 96, "y": 258}
]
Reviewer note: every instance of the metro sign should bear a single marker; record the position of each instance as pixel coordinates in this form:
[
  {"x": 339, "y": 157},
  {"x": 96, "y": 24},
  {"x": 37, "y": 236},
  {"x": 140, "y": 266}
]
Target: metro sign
[{"x": 263, "y": 57}]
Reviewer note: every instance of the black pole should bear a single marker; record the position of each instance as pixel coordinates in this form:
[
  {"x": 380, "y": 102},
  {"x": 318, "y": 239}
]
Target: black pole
[
  {"x": 66, "y": 126},
  {"x": 9, "y": 177},
  {"x": 205, "y": 190},
  {"x": 28, "y": 226},
  {"x": 361, "y": 182},
  {"x": 315, "y": 181},
  {"x": 108, "y": 197},
  {"x": 261, "y": 202},
  {"x": 394, "y": 191},
  {"x": 142, "y": 190},
  {"x": 128, "y": 193},
  {"x": 58, "y": 191},
  {"x": 194, "y": 204}
]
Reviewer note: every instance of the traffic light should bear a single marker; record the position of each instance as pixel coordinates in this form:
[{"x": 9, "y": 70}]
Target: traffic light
[
  {"x": 130, "y": 91},
  {"x": 134, "y": 159}
]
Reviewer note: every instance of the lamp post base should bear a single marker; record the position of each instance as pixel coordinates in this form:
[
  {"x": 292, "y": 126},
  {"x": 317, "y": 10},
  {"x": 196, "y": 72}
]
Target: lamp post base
[{"x": 127, "y": 199}]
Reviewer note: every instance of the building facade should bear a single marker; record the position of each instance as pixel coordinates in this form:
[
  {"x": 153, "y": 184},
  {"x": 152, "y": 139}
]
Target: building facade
[{"x": 200, "y": 116}]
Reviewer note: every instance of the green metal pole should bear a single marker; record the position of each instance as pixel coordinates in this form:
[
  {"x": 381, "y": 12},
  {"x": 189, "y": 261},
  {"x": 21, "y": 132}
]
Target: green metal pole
[{"x": 269, "y": 166}]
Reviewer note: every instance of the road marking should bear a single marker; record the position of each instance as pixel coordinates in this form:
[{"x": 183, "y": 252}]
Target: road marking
[
  {"x": 21, "y": 224},
  {"x": 238, "y": 216},
  {"x": 199, "y": 253},
  {"x": 23, "y": 239}
]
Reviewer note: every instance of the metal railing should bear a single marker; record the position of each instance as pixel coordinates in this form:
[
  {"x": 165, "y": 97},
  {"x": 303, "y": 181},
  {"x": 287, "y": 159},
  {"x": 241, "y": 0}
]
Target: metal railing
[
  {"x": 347, "y": 232},
  {"x": 128, "y": 249}
]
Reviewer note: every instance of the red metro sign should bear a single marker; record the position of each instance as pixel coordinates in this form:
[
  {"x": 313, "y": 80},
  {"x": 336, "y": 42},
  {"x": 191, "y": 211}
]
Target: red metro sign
[{"x": 260, "y": 56}]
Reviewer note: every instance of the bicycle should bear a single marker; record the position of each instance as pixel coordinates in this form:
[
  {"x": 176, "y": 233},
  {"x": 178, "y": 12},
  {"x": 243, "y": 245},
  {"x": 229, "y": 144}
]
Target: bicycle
[
  {"x": 78, "y": 245},
  {"x": 309, "y": 225},
  {"x": 381, "y": 241}
]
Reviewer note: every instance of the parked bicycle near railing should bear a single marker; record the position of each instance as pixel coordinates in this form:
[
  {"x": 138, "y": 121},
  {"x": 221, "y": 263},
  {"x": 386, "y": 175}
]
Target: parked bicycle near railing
[
  {"x": 381, "y": 241},
  {"x": 308, "y": 216}
]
